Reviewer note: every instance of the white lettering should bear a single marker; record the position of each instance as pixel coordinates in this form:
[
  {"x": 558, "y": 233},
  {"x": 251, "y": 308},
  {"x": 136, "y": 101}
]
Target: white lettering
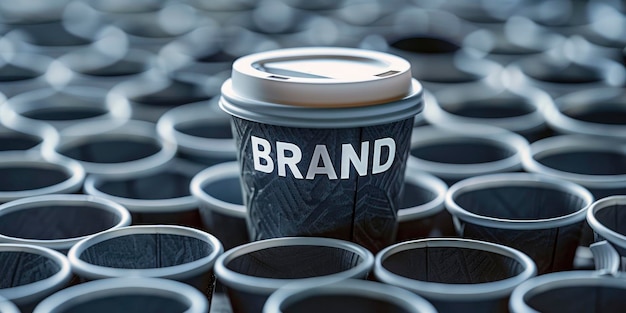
[
  {"x": 263, "y": 154},
  {"x": 284, "y": 161},
  {"x": 378, "y": 144},
  {"x": 321, "y": 153},
  {"x": 348, "y": 156}
]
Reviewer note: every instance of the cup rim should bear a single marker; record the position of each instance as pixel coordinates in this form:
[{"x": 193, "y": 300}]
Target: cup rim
[
  {"x": 455, "y": 292},
  {"x": 585, "y": 98},
  {"x": 492, "y": 135},
  {"x": 12, "y": 123},
  {"x": 63, "y": 199},
  {"x": 607, "y": 233},
  {"x": 176, "y": 272},
  {"x": 429, "y": 182},
  {"x": 188, "y": 113},
  {"x": 566, "y": 143},
  {"x": 122, "y": 286},
  {"x": 165, "y": 205},
  {"x": 36, "y": 290},
  {"x": 549, "y": 281},
  {"x": 517, "y": 179},
  {"x": 7, "y": 306},
  {"x": 74, "y": 135},
  {"x": 74, "y": 170},
  {"x": 409, "y": 301},
  {"x": 263, "y": 285},
  {"x": 213, "y": 174}
]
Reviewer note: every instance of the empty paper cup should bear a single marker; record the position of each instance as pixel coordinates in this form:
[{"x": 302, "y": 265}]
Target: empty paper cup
[
  {"x": 134, "y": 294},
  {"x": 102, "y": 149},
  {"x": 31, "y": 273},
  {"x": 345, "y": 296},
  {"x": 159, "y": 251},
  {"x": 455, "y": 275},
  {"x": 69, "y": 106},
  {"x": 251, "y": 272},
  {"x": 58, "y": 221},
  {"x": 536, "y": 214},
  {"x": 455, "y": 154},
  {"x": 570, "y": 291},
  {"x": 218, "y": 191},
  {"x": 25, "y": 174},
  {"x": 599, "y": 111},
  {"x": 7, "y": 306},
  {"x": 606, "y": 218},
  {"x": 201, "y": 132},
  {"x": 161, "y": 197},
  {"x": 322, "y": 136},
  {"x": 422, "y": 212}
]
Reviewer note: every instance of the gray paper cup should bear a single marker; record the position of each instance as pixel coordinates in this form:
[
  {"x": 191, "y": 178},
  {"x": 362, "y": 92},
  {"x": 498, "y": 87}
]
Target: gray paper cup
[
  {"x": 322, "y": 136},
  {"x": 58, "y": 221},
  {"x": 218, "y": 191},
  {"x": 536, "y": 214},
  {"x": 161, "y": 197},
  {"x": 129, "y": 294},
  {"x": 31, "y": 273},
  {"x": 345, "y": 296},
  {"x": 113, "y": 151},
  {"x": 251, "y": 272},
  {"x": 455, "y": 275},
  {"x": 26, "y": 174},
  {"x": 570, "y": 291},
  {"x": 7, "y": 306},
  {"x": 422, "y": 212},
  {"x": 159, "y": 251},
  {"x": 462, "y": 152},
  {"x": 606, "y": 216}
]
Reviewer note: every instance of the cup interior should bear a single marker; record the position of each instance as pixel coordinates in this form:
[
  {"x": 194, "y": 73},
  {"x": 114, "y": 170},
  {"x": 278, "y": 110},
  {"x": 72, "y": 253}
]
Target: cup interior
[
  {"x": 591, "y": 162},
  {"x": 608, "y": 113},
  {"x": 571, "y": 73},
  {"x": 465, "y": 151},
  {"x": 177, "y": 93},
  {"x": 29, "y": 177},
  {"x": 452, "y": 265},
  {"x": 25, "y": 268},
  {"x": 56, "y": 221},
  {"x": 520, "y": 202},
  {"x": 285, "y": 262},
  {"x": 415, "y": 195},
  {"x": 585, "y": 298},
  {"x": 146, "y": 251},
  {"x": 131, "y": 301},
  {"x": 17, "y": 141},
  {"x": 613, "y": 217},
  {"x": 64, "y": 107},
  {"x": 496, "y": 107},
  {"x": 331, "y": 303},
  {"x": 14, "y": 73},
  {"x": 227, "y": 189},
  {"x": 111, "y": 149},
  {"x": 200, "y": 128},
  {"x": 164, "y": 185},
  {"x": 51, "y": 35}
]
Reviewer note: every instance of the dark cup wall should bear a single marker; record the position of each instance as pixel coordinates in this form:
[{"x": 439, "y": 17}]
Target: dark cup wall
[{"x": 537, "y": 70}]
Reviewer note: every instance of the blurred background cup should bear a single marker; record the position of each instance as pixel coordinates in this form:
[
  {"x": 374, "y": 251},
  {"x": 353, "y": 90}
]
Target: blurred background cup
[
  {"x": 201, "y": 132},
  {"x": 7, "y": 306},
  {"x": 570, "y": 291},
  {"x": 599, "y": 112},
  {"x": 161, "y": 197},
  {"x": 58, "y": 221},
  {"x": 422, "y": 211},
  {"x": 253, "y": 271},
  {"x": 106, "y": 149},
  {"x": 453, "y": 154},
  {"x": 606, "y": 218},
  {"x": 455, "y": 275},
  {"x": 520, "y": 112},
  {"x": 36, "y": 272},
  {"x": 536, "y": 214},
  {"x": 128, "y": 294},
  {"x": 26, "y": 173},
  {"x": 218, "y": 191},
  {"x": 345, "y": 296},
  {"x": 159, "y": 251},
  {"x": 68, "y": 106}
]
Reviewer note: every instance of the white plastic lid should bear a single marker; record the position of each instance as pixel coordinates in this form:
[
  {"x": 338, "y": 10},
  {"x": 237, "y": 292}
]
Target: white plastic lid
[
  {"x": 322, "y": 87},
  {"x": 322, "y": 77}
]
